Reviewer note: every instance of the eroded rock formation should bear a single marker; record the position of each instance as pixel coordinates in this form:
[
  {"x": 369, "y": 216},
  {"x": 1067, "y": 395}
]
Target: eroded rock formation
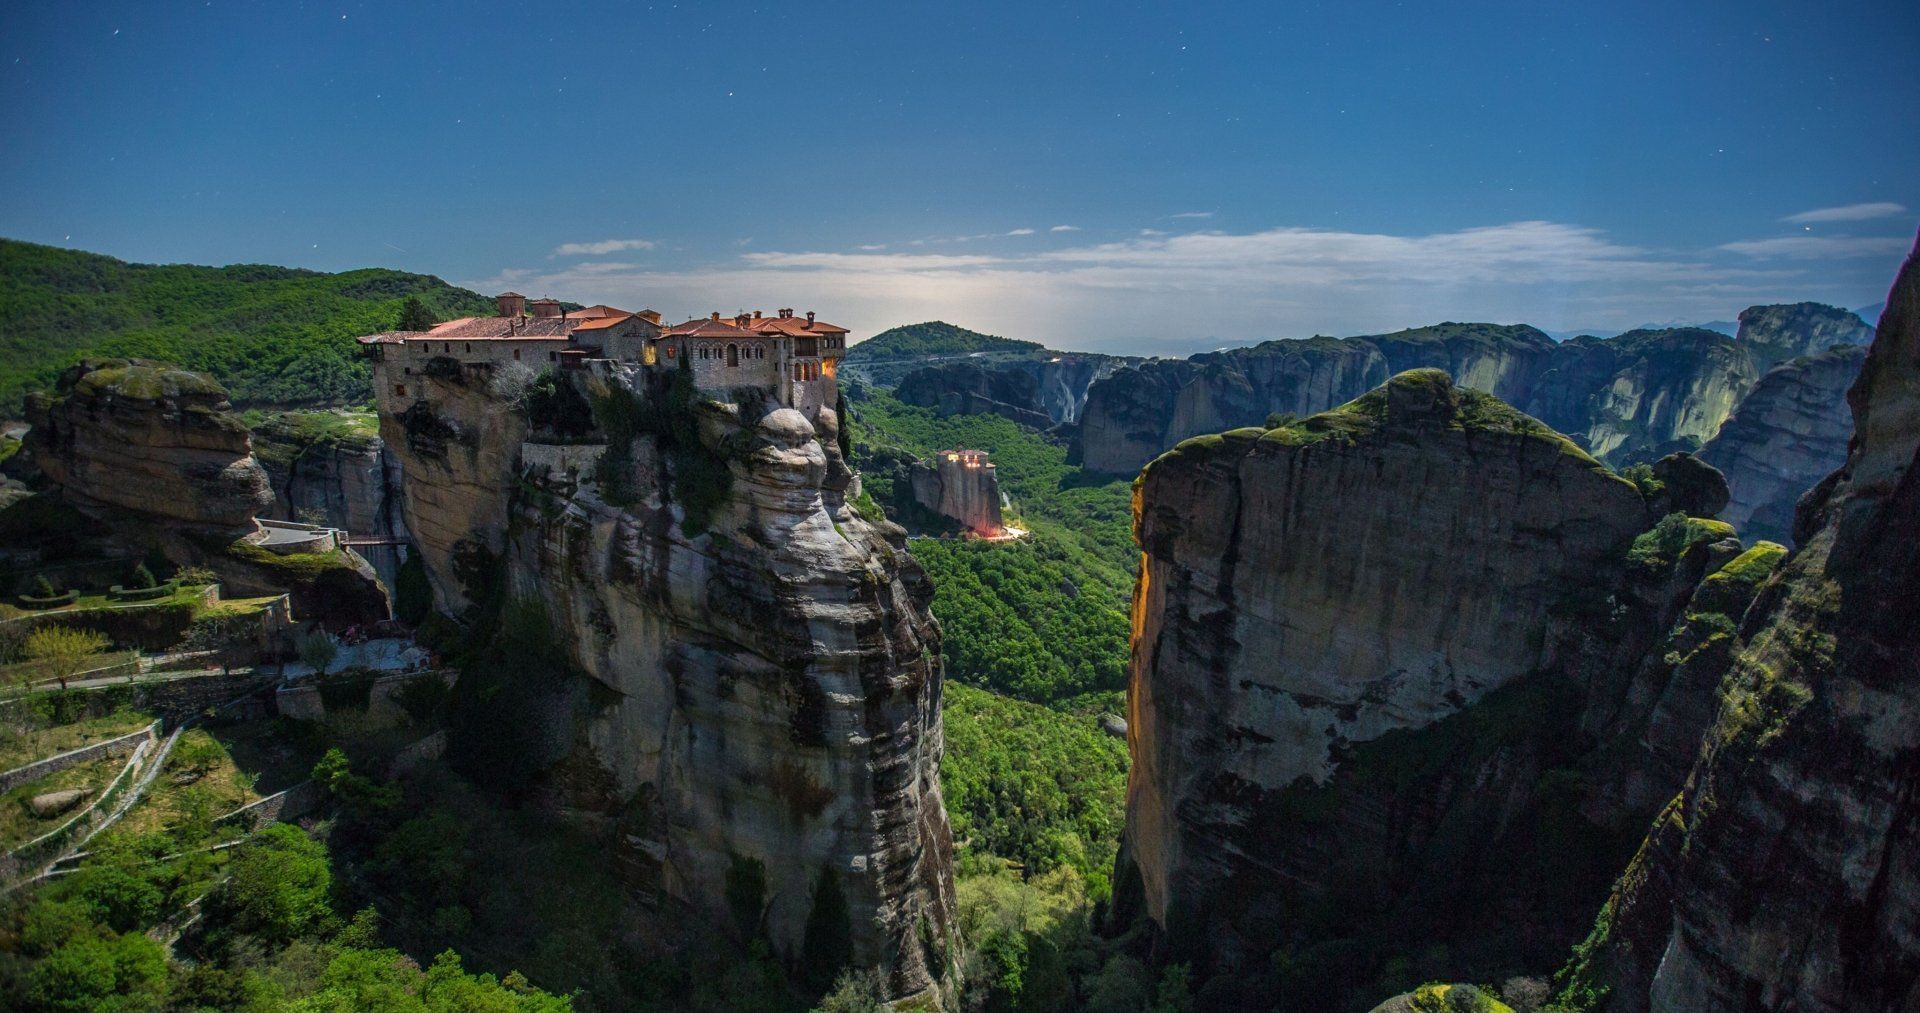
[
  {"x": 962, "y": 486},
  {"x": 1788, "y": 433},
  {"x": 146, "y": 437},
  {"x": 157, "y": 454},
  {"x": 1786, "y": 875},
  {"x": 334, "y": 472},
  {"x": 1406, "y": 672},
  {"x": 762, "y": 721},
  {"x": 963, "y": 388}
]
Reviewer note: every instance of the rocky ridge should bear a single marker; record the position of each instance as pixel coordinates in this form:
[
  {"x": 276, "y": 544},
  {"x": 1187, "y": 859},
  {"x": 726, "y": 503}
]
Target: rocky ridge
[
  {"x": 1786, "y": 874},
  {"x": 1632, "y": 397}
]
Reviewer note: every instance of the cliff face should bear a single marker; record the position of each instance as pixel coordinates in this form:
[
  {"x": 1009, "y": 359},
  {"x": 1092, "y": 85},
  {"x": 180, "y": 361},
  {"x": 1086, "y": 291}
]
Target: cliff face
[
  {"x": 763, "y": 724},
  {"x": 1398, "y": 680},
  {"x": 963, "y": 388},
  {"x": 149, "y": 438},
  {"x": 337, "y": 473},
  {"x": 961, "y": 486},
  {"x": 1668, "y": 390},
  {"x": 1135, "y": 413},
  {"x": 1787, "y": 434},
  {"x": 1633, "y": 397},
  {"x": 1777, "y": 333},
  {"x": 1787, "y": 874}
]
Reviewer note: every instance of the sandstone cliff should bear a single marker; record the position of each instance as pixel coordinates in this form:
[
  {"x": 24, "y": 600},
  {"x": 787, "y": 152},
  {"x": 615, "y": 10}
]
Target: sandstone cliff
[
  {"x": 761, "y": 722},
  {"x": 156, "y": 453},
  {"x": 961, "y": 486},
  {"x": 1404, "y": 673},
  {"x": 147, "y": 437},
  {"x": 333, "y": 469},
  {"x": 1787, "y": 434},
  {"x": 964, "y": 388},
  {"x": 1786, "y": 875}
]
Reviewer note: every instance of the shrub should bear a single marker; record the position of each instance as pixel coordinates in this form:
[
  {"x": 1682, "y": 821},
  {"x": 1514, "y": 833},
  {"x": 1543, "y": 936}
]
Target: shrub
[
  {"x": 65, "y": 649},
  {"x": 143, "y": 578},
  {"x": 43, "y": 588}
]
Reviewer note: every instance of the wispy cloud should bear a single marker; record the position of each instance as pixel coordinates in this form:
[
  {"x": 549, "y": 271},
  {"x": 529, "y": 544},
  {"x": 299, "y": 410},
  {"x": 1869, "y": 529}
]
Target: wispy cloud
[
  {"x": 1020, "y": 232},
  {"x": 1819, "y": 247},
  {"x": 600, "y": 248},
  {"x": 1064, "y": 228},
  {"x": 1193, "y": 214},
  {"x": 1848, "y": 213},
  {"x": 1160, "y": 292}
]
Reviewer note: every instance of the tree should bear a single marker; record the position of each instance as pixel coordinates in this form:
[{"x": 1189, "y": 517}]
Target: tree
[
  {"x": 415, "y": 316},
  {"x": 143, "y": 577},
  {"x": 278, "y": 885},
  {"x": 85, "y": 973},
  {"x": 317, "y": 650},
  {"x": 43, "y": 588},
  {"x": 65, "y": 650}
]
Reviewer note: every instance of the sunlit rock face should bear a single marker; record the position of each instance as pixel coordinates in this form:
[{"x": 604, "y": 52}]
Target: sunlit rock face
[
  {"x": 1786, "y": 876},
  {"x": 962, "y": 486},
  {"x": 1787, "y": 434},
  {"x": 764, "y": 698},
  {"x": 151, "y": 439}
]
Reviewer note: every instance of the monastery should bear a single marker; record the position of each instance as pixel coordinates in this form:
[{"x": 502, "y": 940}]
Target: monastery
[{"x": 791, "y": 358}]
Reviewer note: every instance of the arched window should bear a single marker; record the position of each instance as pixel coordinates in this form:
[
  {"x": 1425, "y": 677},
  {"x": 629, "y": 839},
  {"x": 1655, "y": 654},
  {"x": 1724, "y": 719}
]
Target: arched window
[{"x": 733, "y": 355}]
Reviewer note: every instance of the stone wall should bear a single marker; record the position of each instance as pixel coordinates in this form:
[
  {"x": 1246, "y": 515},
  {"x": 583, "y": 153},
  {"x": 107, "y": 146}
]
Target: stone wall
[{"x": 54, "y": 764}]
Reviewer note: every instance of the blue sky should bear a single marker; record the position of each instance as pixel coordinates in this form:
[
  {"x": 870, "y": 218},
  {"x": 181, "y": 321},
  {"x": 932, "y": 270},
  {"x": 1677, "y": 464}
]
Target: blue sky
[{"x": 1126, "y": 177}]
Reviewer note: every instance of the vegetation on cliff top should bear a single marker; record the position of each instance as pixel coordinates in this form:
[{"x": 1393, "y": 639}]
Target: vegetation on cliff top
[
  {"x": 935, "y": 337},
  {"x": 271, "y": 335}
]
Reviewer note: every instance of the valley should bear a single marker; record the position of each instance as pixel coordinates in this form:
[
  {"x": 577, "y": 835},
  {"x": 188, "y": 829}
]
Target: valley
[{"x": 1322, "y": 669}]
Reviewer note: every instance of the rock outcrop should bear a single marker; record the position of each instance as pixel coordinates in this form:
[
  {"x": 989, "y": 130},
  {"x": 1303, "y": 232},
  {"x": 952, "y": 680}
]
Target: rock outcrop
[
  {"x": 759, "y": 717},
  {"x": 963, "y": 388},
  {"x": 1786, "y": 875},
  {"x": 1787, "y": 434},
  {"x": 146, "y": 437},
  {"x": 1789, "y": 331},
  {"x": 334, "y": 469},
  {"x": 1401, "y": 676},
  {"x": 1135, "y": 413},
  {"x": 962, "y": 486},
  {"x": 157, "y": 455}
]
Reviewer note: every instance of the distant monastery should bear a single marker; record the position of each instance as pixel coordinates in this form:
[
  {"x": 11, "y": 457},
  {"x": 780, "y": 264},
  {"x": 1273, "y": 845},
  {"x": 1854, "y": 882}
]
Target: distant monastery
[{"x": 792, "y": 358}]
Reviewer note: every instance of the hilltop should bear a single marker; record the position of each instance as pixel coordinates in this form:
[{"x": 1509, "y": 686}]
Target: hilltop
[
  {"x": 935, "y": 337},
  {"x": 271, "y": 335}
]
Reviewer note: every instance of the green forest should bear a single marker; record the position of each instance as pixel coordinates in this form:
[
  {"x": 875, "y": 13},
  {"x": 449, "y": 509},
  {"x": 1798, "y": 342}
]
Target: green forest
[
  {"x": 935, "y": 337},
  {"x": 271, "y": 335}
]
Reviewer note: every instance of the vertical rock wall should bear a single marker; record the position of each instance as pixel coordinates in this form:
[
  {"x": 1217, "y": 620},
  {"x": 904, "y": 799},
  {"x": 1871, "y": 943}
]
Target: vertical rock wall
[{"x": 766, "y": 701}]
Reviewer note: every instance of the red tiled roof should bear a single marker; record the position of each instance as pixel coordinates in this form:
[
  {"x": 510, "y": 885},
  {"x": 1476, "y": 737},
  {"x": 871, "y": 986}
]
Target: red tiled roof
[
  {"x": 389, "y": 337},
  {"x": 601, "y": 323},
  {"x": 514, "y": 328},
  {"x": 708, "y": 328},
  {"x": 794, "y": 326},
  {"x": 596, "y": 312}
]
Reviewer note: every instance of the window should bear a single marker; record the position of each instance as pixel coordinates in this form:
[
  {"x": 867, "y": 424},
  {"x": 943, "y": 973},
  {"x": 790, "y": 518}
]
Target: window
[
  {"x": 672, "y": 352},
  {"x": 469, "y": 348},
  {"x": 399, "y": 390},
  {"x": 733, "y": 356},
  {"x": 516, "y": 354},
  {"x": 553, "y": 356},
  {"x": 446, "y": 347}
]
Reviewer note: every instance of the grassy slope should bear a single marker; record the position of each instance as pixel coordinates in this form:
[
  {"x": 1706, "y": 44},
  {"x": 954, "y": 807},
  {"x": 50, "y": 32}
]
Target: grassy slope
[{"x": 270, "y": 334}]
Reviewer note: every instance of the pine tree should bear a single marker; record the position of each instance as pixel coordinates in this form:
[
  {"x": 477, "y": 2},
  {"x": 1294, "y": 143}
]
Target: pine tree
[{"x": 414, "y": 315}]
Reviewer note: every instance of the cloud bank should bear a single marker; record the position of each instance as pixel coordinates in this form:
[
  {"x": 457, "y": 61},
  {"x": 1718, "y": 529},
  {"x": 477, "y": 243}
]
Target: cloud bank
[
  {"x": 1848, "y": 213},
  {"x": 600, "y": 248}
]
